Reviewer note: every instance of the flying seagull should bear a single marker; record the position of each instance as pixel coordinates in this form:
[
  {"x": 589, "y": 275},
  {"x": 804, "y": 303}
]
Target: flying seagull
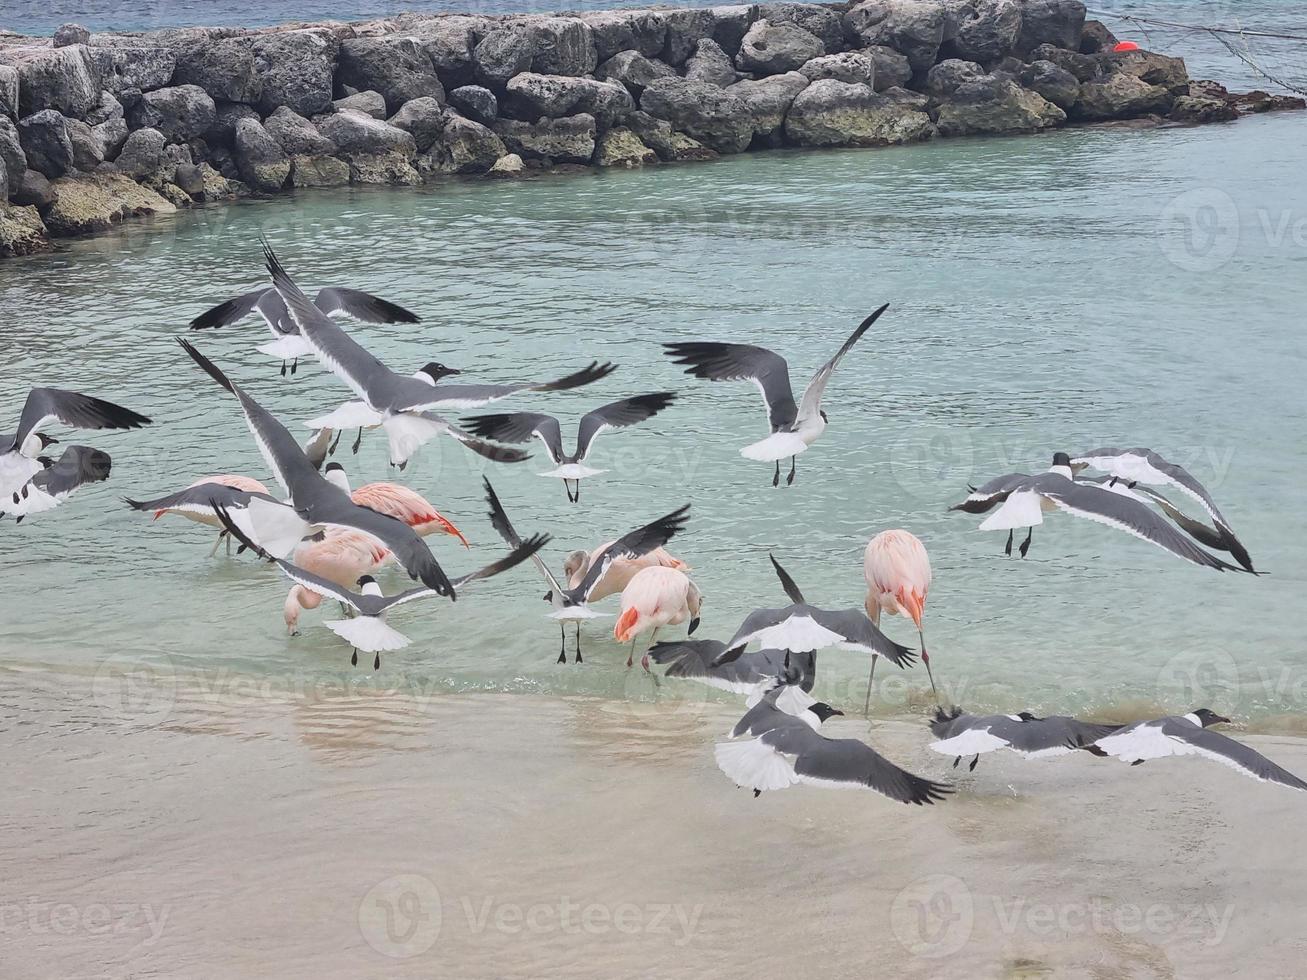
[
  {"x": 315, "y": 502},
  {"x": 783, "y": 749},
  {"x": 570, "y": 468},
  {"x": 51, "y": 486},
  {"x": 1025, "y": 499},
  {"x": 794, "y": 427},
  {"x": 1189, "y": 735},
  {"x": 195, "y": 502},
  {"x": 369, "y": 631},
  {"x": 572, "y": 603},
  {"x": 287, "y": 344},
  {"x": 393, "y": 401},
  {"x": 19, "y": 450},
  {"x": 1143, "y": 466},
  {"x": 962, "y": 734},
  {"x": 692, "y": 660}
]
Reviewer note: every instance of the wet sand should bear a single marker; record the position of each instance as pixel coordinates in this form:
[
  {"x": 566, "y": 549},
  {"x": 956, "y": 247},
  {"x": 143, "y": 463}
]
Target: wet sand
[{"x": 154, "y": 827}]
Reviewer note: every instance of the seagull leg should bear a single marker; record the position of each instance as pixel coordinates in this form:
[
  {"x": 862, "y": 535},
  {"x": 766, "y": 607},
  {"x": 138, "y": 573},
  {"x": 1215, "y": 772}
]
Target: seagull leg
[
  {"x": 376, "y": 662},
  {"x": 1008, "y": 550},
  {"x": 331, "y": 450},
  {"x": 562, "y": 649},
  {"x": 789, "y": 480},
  {"x": 956, "y": 760},
  {"x": 1025, "y": 545},
  {"x": 866, "y": 710},
  {"x": 358, "y": 441},
  {"x": 354, "y": 657},
  {"x": 294, "y": 365},
  {"x": 972, "y": 767},
  {"x": 776, "y": 480},
  {"x": 283, "y": 369},
  {"x": 578, "y": 641}
]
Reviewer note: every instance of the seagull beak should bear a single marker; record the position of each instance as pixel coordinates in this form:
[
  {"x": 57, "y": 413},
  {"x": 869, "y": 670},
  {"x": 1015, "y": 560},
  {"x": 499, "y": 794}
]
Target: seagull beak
[
  {"x": 694, "y": 625},
  {"x": 1221, "y": 719},
  {"x": 836, "y": 711},
  {"x": 453, "y": 371}
]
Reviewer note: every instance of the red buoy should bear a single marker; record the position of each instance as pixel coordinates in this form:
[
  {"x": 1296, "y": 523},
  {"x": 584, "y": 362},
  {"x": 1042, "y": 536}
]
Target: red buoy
[{"x": 1126, "y": 46}]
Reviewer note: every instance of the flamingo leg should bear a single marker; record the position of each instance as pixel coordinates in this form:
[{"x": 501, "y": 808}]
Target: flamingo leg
[
  {"x": 866, "y": 709},
  {"x": 221, "y": 535},
  {"x": 925, "y": 659},
  {"x": 644, "y": 661},
  {"x": 358, "y": 441},
  {"x": 776, "y": 480},
  {"x": 578, "y": 641},
  {"x": 1025, "y": 545},
  {"x": 789, "y": 480},
  {"x": 562, "y": 647},
  {"x": 630, "y": 657}
]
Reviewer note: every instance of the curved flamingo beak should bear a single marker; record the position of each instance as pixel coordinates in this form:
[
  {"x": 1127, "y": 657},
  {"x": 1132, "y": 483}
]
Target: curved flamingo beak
[
  {"x": 914, "y": 604},
  {"x": 447, "y": 526}
]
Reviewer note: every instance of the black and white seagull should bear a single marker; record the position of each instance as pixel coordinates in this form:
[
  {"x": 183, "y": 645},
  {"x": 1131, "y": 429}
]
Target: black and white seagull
[
  {"x": 1023, "y": 500},
  {"x": 692, "y": 660},
  {"x": 197, "y": 502},
  {"x": 20, "y": 450},
  {"x": 776, "y": 750},
  {"x": 54, "y": 484},
  {"x": 960, "y": 734},
  {"x": 287, "y": 344},
  {"x": 573, "y": 604},
  {"x": 1143, "y": 466},
  {"x": 315, "y": 502},
  {"x": 368, "y": 630},
  {"x": 1189, "y": 735},
  {"x": 398, "y": 403},
  {"x": 517, "y": 427},
  {"x": 794, "y": 427}
]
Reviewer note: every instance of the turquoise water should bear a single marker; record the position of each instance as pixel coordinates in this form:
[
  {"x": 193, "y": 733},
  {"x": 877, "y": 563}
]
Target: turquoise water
[{"x": 1064, "y": 291}]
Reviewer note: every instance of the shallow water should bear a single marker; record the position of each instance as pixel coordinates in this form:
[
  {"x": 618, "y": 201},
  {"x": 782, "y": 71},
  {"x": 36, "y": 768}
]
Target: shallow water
[{"x": 1067, "y": 291}]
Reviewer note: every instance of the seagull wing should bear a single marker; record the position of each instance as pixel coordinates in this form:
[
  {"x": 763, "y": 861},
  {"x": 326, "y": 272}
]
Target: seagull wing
[
  {"x": 77, "y": 466},
  {"x": 787, "y": 583},
  {"x": 1223, "y": 749},
  {"x": 860, "y": 633},
  {"x": 229, "y": 312},
  {"x": 504, "y": 528},
  {"x": 810, "y": 405},
  {"x": 338, "y": 510},
  {"x": 198, "y": 499},
  {"x": 520, "y": 427},
  {"x": 362, "y": 306},
  {"x": 416, "y": 394},
  {"x": 618, "y": 415},
  {"x": 692, "y": 659},
  {"x": 73, "y": 409},
  {"x": 988, "y": 495},
  {"x": 754, "y": 623},
  {"x": 742, "y": 362},
  {"x": 633, "y": 544}
]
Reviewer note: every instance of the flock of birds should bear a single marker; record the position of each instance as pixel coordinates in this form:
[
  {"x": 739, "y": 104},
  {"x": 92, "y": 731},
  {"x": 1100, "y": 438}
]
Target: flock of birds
[{"x": 331, "y": 541}]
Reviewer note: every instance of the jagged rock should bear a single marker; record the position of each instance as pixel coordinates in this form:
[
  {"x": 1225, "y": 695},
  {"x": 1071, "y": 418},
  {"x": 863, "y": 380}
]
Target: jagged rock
[
  {"x": 172, "y": 194},
  {"x": 831, "y": 113},
  {"x": 1258, "y": 101},
  {"x": 11, "y": 150},
  {"x": 996, "y": 104},
  {"x": 569, "y": 140},
  {"x": 318, "y": 171},
  {"x": 107, "y": 108},
  {"x": 295, "y": 69},
  {"x": 622, "y": 148},
  {"x": 67, "y": 34},
  {"x": 1055, "y": 84},
  {"x": 892, "y": 70},
  {"x": 397, "y": 67},
  {"x": 914, "y": 28},
  {"x": 9, "y": 91},
  {"x": 32, "y": 190},
  {"x": 137, "y": 69},
  {"x": 1095, "y": 37},
  {"x": 503, "y": 53},
  {"x": 21, "y": 231},
  {"x": 668, "y": 144},
  {"x": 566, "y": 47},
  {"x": 1121, "y": 95},
  {"x": 226, "y": 115},
  {"x": 141, "y": 153},
  {"x": 216, "y": 186},
  {"x": 710, "y": 114},
  {"x": 475, "y": 102},
  {"x": 710, "y": 64},
  {"x": 356, "y": 134},
  {"x": 424, "y": 118},
  {"x": 1058, "y": 22},
  {"x": 465, "y": 147},
  {"x": 296, "y": 135},
  {"x": 261, "y": 161},
  {"x": 369, "y": 103},
  {"x": 851, "y": 66},
  {"x": 767, "y": 101},
  {"x": 63, "y": 79},
  {"x": 612, "y": 31},
  {"x": 4, "y": 181},
  {"x": 945, "y": 77},
  {"x": 383, "y": 168},
  {"x": 223, "y": 67},
  {"x": 773, "y": 49},
  {"x": 530, "y": 96},
  {"x": 190, "y": 178},
  {"x": 908, "y": 99},
  {"x": 987, "y": 30},
  {"x": 88, "y": 153},
  {"x": 1084, "y": 67},
  {"x": 93, "y": 202},
  {"x": 822, "y": 22},
  {"x": 632, "y": 69},
  {"x": 509, "y": 165},
  {"x": 46, "y": 143},
  {"x": 1155, "y": 69},
  {"x": 732, "y": 22},
  {"x": 1202, "y": 109},
  {"x": 685, "y": 28},
  {"x": 448, "y": 43},
  {"x": 180, "y": 112}
]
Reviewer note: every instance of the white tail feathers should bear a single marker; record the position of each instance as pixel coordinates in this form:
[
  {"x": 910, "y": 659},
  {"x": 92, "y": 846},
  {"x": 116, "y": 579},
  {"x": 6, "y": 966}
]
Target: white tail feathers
[
  {"x": 274, "y": 527},
  {"x": 287, "y": 348},
  {"x": 754, "y": 765},
  {"x": 798, "y": 633},
  {"x": 573, "y": 471},
  {"x": 37, "y": 501},
  {"x": 1023, "y": 509},
  {"x": 408, "y": 433},
  {"x": 351, "y": 415},
  {"x": 368, "y": 633},
  {"x": 778, "y": 445},
  {"x": 15, "y": 470}
]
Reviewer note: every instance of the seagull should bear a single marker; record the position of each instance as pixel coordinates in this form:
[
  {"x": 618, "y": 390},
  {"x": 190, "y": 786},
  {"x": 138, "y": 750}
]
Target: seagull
[
  {"x": 794, "y": 428},
  {"x": 195, "y": 502},
  {"x": 394, "y": 401},
  {"x": 801, "y": 627},
  {"x": 620, "y": 570},
  {"x": 571, "y": 469},
  {"x": 692, "y": 660},
  {"x": 1188, "y": 735},
  {"x": 57, "y": 482},
  {"x": 572, "y": 603},
  {"x": 287, "y": 344},
  {"x": 321, "y": 444},
  {"x": 19, "y": 450},
  {"x": 369, "y": 631},
  {"x": 962, "y": 734},
  {"x": 1025, "y": 499},
  {"x": 315, "y": 502},
  {"x": 398, "y": 502},
  {"x": 784, "y": 749},
  {"x": 1143, "y": 466}
]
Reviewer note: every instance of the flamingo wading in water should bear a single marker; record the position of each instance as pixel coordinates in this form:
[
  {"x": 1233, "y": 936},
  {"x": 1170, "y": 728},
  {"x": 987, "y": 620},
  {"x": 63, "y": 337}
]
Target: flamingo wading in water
[
  {"x": 897, "y": 570},
  {"x": 656, "y": 597}
]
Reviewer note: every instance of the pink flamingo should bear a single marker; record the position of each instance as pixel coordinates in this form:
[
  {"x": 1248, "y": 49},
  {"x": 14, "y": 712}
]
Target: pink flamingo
[
  {"x": 619, "y": 573},
  {"x": 199, "y": 511},
  {"x": 897, "y": 570},
  {"x": 398, "y": 502},
  {"x": 341, "y": 557},
  {"x": 656, "y": 596}
]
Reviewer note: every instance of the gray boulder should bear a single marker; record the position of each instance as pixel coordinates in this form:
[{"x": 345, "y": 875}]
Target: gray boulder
[
  {"x": 111, "y": 134},
  {"x": 1058, "y": 22},
  {"x": 67, "y": 34},
  {"x": 225, "y": 117},
  {"x": 1083, "y": 66},
  {"x": 88, "y": 153},
  {"x": 107, "y": 108},
  {"x": 508, "y": 166},
  {"x": 710, "y": 64},
  {"x": 914, "y": 28},
  {"x": 223, "y": 67},
  {"x": 823, "y": 22},
  {"x": 632, "y": 69},
  {"x": 1096, "y": 37},
  {"x": 383, "y": 168},
  {"x": 397, "y": 67},
  {"x": 1202, "y": 109},
  {"x": 892, "y": 70},
  {"x": 1121, "y": 96},
  {"x": 181, "y": 112},
  {"x": 448, "y": 42},
  {"x": 996, "y": 104},
  {"x": 731, "y": 23},
  {"x": 46, "y": 142},
  {"x": 773, "y": 49},
  {"x": 1155, "y": 69},
  {"x": 358, "y": 135},
  {"x": 134, "y": 68},
  {"x": 475, "y": 102},
  {"x": 503, "y": 53},
  {"x": 31, "y": 190},
  {"x": 831, "y": 113},
  {"x": 11, "y": 150},
  {"x": 1055, "y": 84},
  {"x": 565, "y": 46},
  {"x": 424, "y": 119},
  {"x": 295, "y": 69},
  {"x": 622, "y": 148},
  {"x": 318, "y": 171},
  {"x": 63, "y": 79},
  {"x": 851, "y": 66},
  {"x": 685, "y": 28},
  {"x": 767, "y": 101},
  {"x": 369, "y": 103},
  {"x": 945, "y": 77},
  {"x": 141, "y": 153},
  {"x": 530, "y": 96},
  {"x": 9, "y": 91},
  {"x": 190, "y": 178},
  {"x": 296, "y": 135},
  {"x": 612, "y": 31},
  {"x": 261, "y": 161},
  {"x": 464, "y": 147},
  {"x": 987, "y": 30},
  {"x": 713, "y": 116},
  {"x": 569, "y": 140},
  {"x": 669, "y": 144},
  {"x": 4, "y": 183}
]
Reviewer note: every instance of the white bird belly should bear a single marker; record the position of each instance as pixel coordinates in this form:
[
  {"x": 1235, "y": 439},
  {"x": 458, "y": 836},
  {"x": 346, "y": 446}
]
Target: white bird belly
[
  {"x": 568, "y": 613},
  {"x": 287, "y": 348},
  {"x": 798, "y": 633},
  {"x": 573, "y": 471},
  {"x": 368, "y": 633},
  {"x": 15, "y": 470},
  {"x": 351, "y": 415},
  {"x": 778, "y": 445},
  {"x": 1023, "y": 509}
]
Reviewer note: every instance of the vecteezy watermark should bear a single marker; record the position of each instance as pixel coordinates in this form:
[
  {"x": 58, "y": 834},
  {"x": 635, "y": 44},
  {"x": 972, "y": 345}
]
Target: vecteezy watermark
[
  {"x": 1202, "y": 229},
  {"x": 569, "y": 917},
  {"x": 1201, "y": 679},
  {"x": 135, "y": 691},
  {"x": 37, "y": 917},
  {"x": 401, "y": 916},
  {"x": 933, "y": 917}
]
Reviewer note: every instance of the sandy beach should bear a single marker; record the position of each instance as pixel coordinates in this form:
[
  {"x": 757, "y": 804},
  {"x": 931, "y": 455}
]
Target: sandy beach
[{"x": 190, "y": 830}]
